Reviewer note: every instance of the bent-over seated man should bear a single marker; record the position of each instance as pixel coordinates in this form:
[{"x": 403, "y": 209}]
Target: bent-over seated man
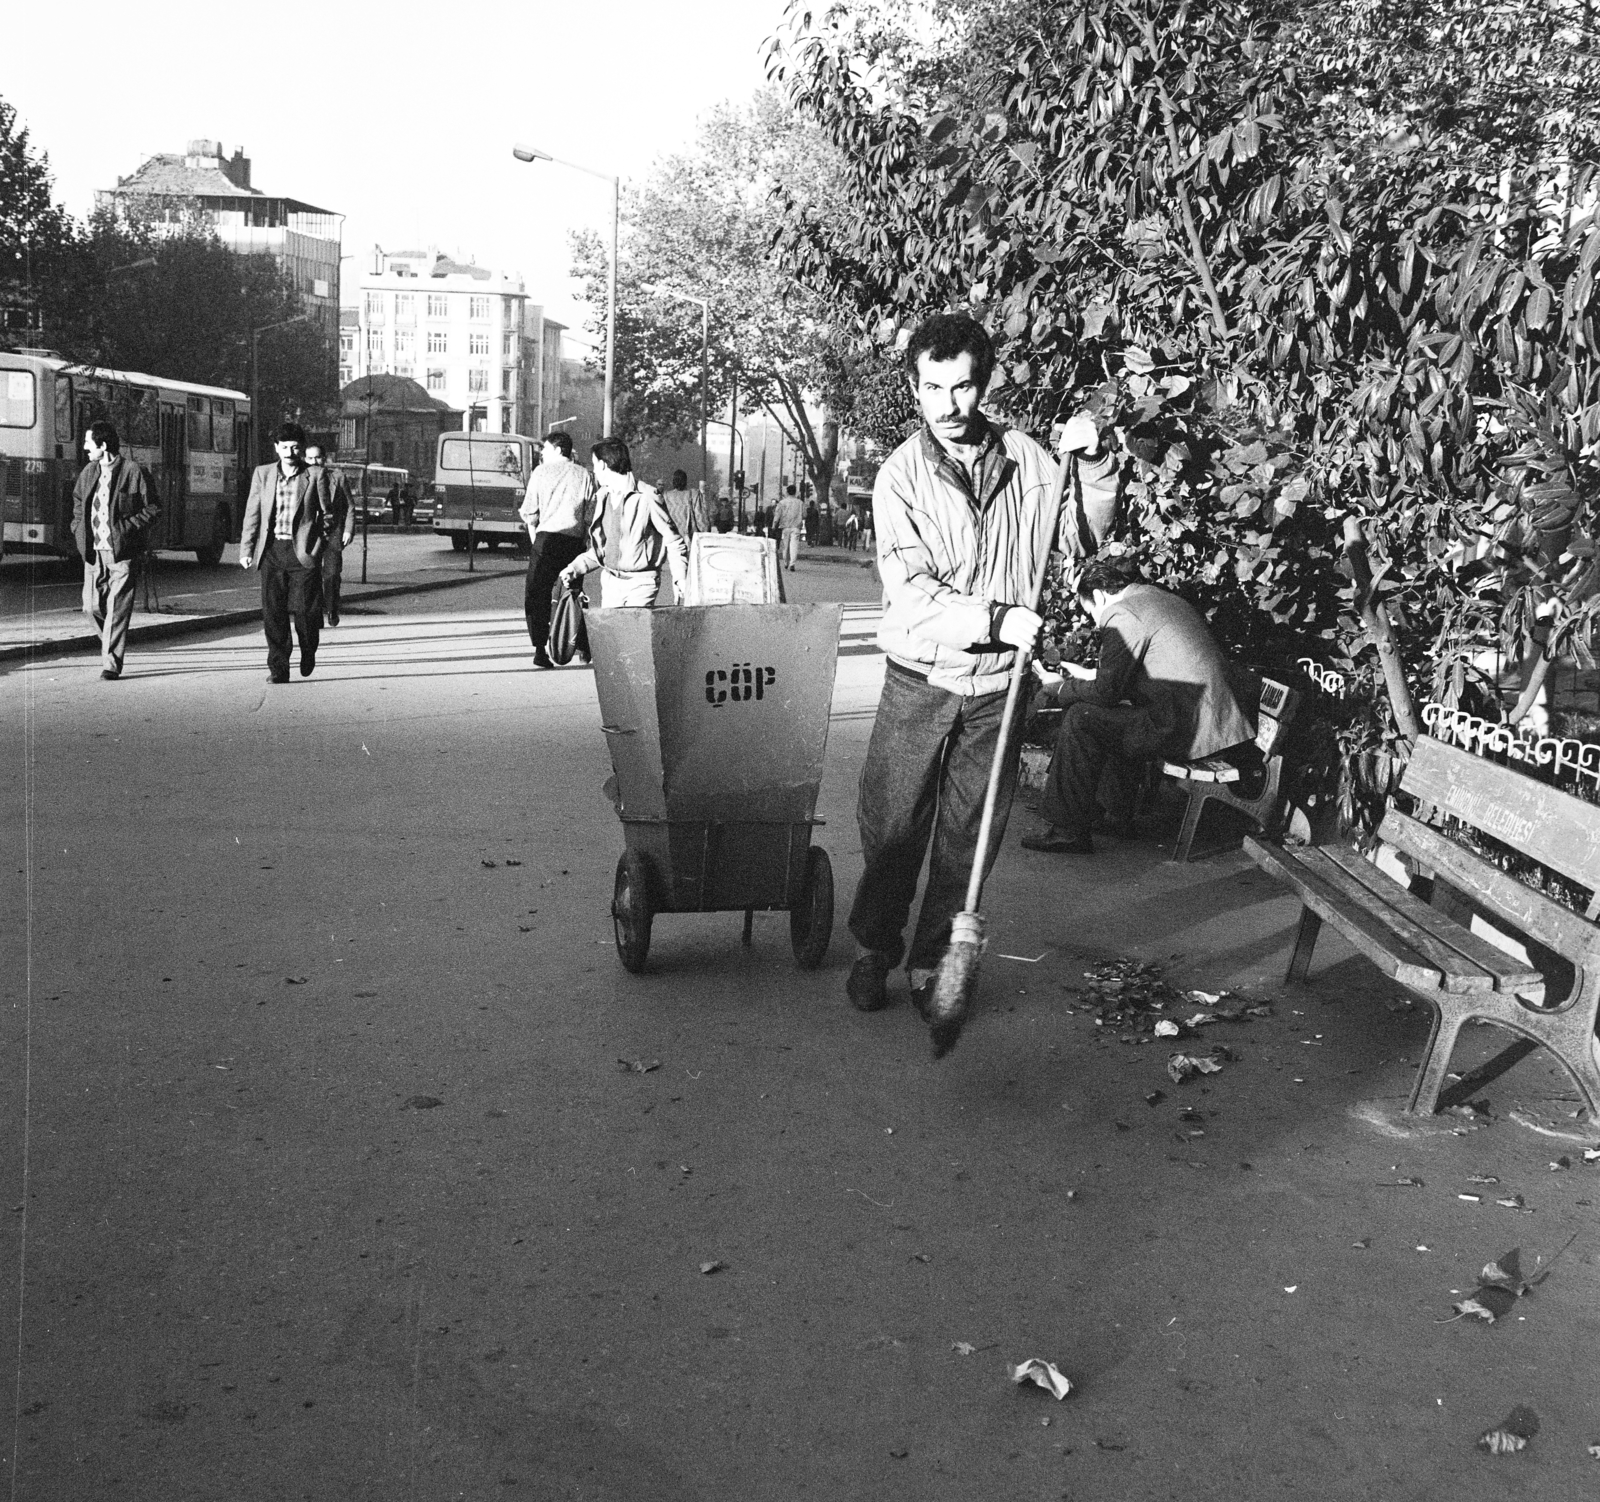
[{"x": 1162, "y": 689}]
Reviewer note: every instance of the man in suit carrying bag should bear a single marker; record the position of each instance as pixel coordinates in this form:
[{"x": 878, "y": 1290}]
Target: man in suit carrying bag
[
  {"x": 113, "y": 505},
  {"x": 341, "y": 529},
  {"x": 286, "y": 524}
]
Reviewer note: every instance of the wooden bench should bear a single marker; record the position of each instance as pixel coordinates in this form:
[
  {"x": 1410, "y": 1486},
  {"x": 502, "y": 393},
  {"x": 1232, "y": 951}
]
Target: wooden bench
[
  {"x": 1463, "y": 975},
  {"x": 1220, "y": 778}
]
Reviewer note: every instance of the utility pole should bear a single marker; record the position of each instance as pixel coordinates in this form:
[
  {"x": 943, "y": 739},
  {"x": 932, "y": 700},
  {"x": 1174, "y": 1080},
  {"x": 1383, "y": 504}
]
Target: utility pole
[
  {"x": 366, "y": 480},
  {"x": 733, "y": 428}
]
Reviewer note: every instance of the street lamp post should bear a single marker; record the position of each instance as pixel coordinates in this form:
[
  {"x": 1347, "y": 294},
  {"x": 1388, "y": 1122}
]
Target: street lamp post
[
  {"x": 255, "y": 373},
  {"x": 532, "y": 154},
  {"x": 705, "y": 374}
]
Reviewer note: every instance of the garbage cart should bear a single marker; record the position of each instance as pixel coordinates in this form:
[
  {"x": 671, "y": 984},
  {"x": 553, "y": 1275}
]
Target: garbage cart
[{"x": 716, "y": 718}]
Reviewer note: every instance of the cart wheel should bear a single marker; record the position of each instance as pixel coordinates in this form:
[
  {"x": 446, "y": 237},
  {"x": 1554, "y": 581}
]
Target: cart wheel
[
  {"x": 811, "y": 920},
  {"x": 631, "y": 912}
]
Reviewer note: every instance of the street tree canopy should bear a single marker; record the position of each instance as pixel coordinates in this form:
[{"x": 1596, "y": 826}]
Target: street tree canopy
[
  {"x": 703, "y": 224},
  {"x": 1308, "y": 260}
]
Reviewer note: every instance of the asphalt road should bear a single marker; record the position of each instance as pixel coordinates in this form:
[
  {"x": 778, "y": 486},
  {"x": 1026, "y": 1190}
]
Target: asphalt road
[{"x": 320, "y": 1176}]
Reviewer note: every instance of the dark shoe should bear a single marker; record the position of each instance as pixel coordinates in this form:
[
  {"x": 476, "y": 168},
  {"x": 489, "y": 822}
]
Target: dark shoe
[
  {"x": 541, "y": 658},
  {"x": 308, "y": 664},
  {"x": 110, "y": 674},
  {"x": 277, "y": 677},
  {"x": 866, "y": 988},
  {"x": 333, "y": 620},
  {"x": 1054, "y": 841}
]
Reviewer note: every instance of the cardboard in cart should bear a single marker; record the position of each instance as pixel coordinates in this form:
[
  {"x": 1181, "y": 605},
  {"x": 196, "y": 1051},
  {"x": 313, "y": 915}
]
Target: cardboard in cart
[{"x": 716, "y": 713}]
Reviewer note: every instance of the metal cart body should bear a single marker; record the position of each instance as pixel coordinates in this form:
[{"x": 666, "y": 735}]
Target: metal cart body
[{"x": 716, "y": 718}]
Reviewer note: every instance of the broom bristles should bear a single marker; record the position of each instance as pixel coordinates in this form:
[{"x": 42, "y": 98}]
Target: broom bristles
[{"x": 955, "y": 982}]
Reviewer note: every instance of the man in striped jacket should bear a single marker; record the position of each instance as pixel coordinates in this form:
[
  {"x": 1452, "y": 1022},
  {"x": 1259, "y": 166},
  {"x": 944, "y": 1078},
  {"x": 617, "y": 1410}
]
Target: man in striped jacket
[{"x": 967, "y": 513}]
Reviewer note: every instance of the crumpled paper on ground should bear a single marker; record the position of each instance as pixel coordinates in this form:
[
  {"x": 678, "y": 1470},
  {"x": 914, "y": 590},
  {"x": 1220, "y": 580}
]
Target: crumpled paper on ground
[{"x": 1043, "y": 1374}]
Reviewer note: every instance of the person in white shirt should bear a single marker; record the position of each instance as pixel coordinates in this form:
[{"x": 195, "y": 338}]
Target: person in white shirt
[
  {"x": 631, "y": 535},
  {"x": 557, "y": 513}
]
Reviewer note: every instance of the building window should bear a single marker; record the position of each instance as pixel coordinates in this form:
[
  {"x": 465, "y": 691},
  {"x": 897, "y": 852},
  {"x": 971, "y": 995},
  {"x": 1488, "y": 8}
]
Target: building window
[
  {"x": 477, "y": 381},
  {"x": 386, "y": 451},
  {"x": 374, "y": 344},
  {"x": 435, "y": 380},
  {"x": 346, "y": 375},
  {"x": 438, "y": 307},
  {"x": 508, "y": 383},
  {"x": 405, "y": 368},
  {"x": 374, "y": 307},
  {"x": 347, "y": 344},
  {"x": 405, "y": 343},
  {"x": 477, "y": 344},
  {"x": 479, "y": 309},
  {"x": 405, "y": 307},
  {"x": 508, "y": 346},
  {"x": 438, "y": 343}
]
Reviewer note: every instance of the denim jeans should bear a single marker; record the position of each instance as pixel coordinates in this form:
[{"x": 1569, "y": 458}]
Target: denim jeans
[{"x": 926, "y": 771}]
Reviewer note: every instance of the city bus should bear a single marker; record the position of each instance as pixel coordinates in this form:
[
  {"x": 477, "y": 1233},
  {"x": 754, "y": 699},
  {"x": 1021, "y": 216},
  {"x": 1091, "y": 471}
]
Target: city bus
[
  {"x": 478, "y": 485},
  {"x": 191, "y": 439},
  {"x": 380, "y": 480}
]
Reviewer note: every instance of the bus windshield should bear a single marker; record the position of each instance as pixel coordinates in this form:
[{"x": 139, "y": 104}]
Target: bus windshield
[{"x": 485, "y": 458}]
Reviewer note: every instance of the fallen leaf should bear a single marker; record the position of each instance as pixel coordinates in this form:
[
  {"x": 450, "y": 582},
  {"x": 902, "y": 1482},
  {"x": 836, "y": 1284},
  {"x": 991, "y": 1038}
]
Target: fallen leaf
[
  {"x": 712, "y": 1267},
  {"x": 295, "y": 980},
  {"x": 422, "y": 1103},
  {"x": 1512, "y": 1433},
  {"x": 638, "y": 1066},
  {"x": 489, "y": 865},
  {"x": 1290, "y": 1287},
  {"x": 1594, "y": 1452},
  {"x": 898, "y": 1454},
  {"x": 1206, "y": 998},
  {"x": 513, "y": 863},
  {"x": 1482, "y": 1178},
  {"x": 1506, "y": 1272},
  {"x": 1400, "y": 1184},
  {"x": 1182, "y": 1066},
  {"x": 1043, "y": 1374},
  {"x": 1562, "y": 1162},
  {"x": 1167, "y": 1028},
  {"x": 1591, "y": 1155},
  {"x": 1155, "y": 1097},
  {"x": 962, "y": 1347}
]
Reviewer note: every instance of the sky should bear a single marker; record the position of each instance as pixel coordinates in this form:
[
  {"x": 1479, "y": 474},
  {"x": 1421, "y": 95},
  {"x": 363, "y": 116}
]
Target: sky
[{"x": 402, "y": 117}]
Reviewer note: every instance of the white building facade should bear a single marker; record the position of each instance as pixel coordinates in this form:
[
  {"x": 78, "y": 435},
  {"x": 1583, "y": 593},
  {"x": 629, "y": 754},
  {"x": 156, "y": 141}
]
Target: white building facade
[{"x": 467, "y": 335}]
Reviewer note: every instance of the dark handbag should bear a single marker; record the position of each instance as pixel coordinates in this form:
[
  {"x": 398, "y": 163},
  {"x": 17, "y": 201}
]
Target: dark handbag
[{"x": 569, "y": 637}]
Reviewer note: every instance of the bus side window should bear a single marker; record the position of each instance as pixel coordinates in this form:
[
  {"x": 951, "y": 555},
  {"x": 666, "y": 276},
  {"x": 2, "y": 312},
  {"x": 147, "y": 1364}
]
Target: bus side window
[
  {"x": 66, "y": 439},
  {"x": 222, "y": 424},
  {"x": 199, "y": 423}
]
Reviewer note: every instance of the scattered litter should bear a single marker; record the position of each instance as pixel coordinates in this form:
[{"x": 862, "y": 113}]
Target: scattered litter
[
  {"x": 1155, "y": 1097},
  {"x": 1202, "y": 1019},
  {"x": 295, "y": 980},
  {"x": 422, "y": 1103},
  {"x": 1024, "y": 959},
  {"x": 1562, "y": 1162},
  {"x": 1184, "y": 1066},
  {"x": 1594, "y": 1452},
  {"x": 899, "y": 1454},
  {"x": 1512, "y": 1433},
  {"x": 962, "y": 1347},
  {"x": 1129, "y": 995},
  {"x": 1406, "y": 1183},
  {"x": 1042, "y": 1374},
  {"x": 638, "y": 1066},
  {"x": 712, "y": 1267},
  {"x": 1290, "y": 1287},
  {"x": 1591, "y": 1155},
  {"x": 1482, "y": 1178},
  {"x": 513, "y": 863},
  {"x": 1422, "y": 1246},
  {"x": 489, "y": 865},
  {"x": 1500, "y": 1285},
  {"x": 1514, "y": 1202},
  {"x": 1363, "y": 1245},
  {"x": 1471, "y": 1199}
]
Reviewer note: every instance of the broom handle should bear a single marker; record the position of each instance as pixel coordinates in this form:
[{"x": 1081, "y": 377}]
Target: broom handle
[{"x": 1019, "y": 671}]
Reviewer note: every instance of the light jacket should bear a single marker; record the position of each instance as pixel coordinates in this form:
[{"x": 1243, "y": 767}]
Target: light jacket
[
  {"x": 630, "y": 534},
  {"x": 948, "y": 557},
  {"x": 313, "y": 514},
  {"x": 560, "y": 499},
  {"x": 133, "y": 508}
]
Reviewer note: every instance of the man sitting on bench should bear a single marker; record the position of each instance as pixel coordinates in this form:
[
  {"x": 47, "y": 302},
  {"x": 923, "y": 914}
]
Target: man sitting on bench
[{"x": 1161, "y": 690}]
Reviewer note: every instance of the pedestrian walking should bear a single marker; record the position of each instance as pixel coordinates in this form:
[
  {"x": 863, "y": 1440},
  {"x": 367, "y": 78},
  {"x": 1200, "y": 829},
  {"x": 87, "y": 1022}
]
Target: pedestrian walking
[
  {"x": 393, "y": 498},
  {"x": 632, "y": 533},
  {"x": 686, "y": 508},
  {"x": 113, "y": 507},
  {"x": 813, "y": 521},
  {"x": 787, "y": 521},
  {"x": 852, "y": 529},
  {"x": 287, "y": 519},
  {"x": 557, "y": 513},
  {"x": 967, "y": 514},
  {"x": 341, "y": 529},
  {"x": 724, "y": 514}
]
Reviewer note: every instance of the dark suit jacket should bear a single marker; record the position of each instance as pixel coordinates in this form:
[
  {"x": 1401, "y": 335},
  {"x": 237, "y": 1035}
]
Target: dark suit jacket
[
  {"x": 341, "y": 515},
  {"x": 133, "y": 507},
  {"x": 1157, "y": 652},
  {"x": 313, "y": 513}
]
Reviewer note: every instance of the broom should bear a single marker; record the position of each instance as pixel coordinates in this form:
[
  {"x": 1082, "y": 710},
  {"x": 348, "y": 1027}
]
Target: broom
[{"x": 956, "y": 980}]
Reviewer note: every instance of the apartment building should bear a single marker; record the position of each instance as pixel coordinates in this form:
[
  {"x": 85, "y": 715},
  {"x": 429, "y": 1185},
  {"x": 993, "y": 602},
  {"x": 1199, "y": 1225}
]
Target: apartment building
[
  {"x": 469, "y": 336},
  {"x": 300, "y": 237}
]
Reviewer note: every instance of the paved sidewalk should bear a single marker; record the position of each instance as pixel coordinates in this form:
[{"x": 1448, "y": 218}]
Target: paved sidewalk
[{"x": 41, "y": 615}]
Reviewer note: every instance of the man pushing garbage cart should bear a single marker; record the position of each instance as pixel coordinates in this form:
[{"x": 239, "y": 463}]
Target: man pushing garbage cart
[{"x": 967, "y": 512}]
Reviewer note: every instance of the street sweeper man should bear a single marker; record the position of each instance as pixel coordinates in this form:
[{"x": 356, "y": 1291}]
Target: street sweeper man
[{"x": 967, "y": 512}]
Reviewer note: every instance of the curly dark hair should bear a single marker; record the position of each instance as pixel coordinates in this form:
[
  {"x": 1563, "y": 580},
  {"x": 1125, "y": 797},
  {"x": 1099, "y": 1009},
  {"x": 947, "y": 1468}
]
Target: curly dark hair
[
  {"x": 946, "y": 335},
  {"x": 1108, "y": 571}
]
